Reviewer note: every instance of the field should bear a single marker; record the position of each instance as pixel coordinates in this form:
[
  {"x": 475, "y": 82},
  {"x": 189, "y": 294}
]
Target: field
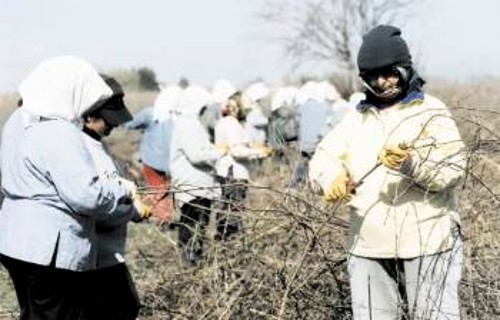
[{"x": 290, "y": 261}]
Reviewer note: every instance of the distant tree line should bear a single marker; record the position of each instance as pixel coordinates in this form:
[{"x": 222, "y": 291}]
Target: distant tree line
[{"x": 140, "y": 79}]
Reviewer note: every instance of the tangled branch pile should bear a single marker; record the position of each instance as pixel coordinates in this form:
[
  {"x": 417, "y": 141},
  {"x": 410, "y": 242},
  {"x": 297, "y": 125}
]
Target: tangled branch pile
[{"x": 288, "y": 262}]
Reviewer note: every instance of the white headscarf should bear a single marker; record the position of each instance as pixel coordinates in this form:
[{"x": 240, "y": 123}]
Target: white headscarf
[
  {"x": 63, "y": 87},
  {"x": 257, "y": 91},
  {"x": 311, "y": 90},
  {"x": 329, "y": 91},
  {"x": 167, "y": 102},
  {"x": 284, "y": 97},
  {"x": 192, "y": 100},
  {"x": 222, "y": 90}
]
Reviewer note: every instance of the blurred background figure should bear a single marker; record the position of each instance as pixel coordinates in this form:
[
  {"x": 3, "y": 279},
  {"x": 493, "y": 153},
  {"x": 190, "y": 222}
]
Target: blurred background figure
[
  {"x": 232, "y": 169},
  {"x": 193, "y": 158},
  {"x": 282, "y": 128},
  {"x": 221, "y": 91},
  {"x": 157, "y": 123},
  {"x": 314, "y": 118},
  {"x": 256, "y": 121},
  {"x": 339, "y": 107}
]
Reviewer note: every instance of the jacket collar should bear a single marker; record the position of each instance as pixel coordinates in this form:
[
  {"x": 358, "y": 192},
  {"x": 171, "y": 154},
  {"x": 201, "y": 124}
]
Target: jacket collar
[{"x": 410, "y": 99}]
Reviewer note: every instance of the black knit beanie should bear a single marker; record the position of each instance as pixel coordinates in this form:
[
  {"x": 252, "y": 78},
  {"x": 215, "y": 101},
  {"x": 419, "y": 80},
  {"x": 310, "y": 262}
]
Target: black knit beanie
[{"x": 382, "y": 47}]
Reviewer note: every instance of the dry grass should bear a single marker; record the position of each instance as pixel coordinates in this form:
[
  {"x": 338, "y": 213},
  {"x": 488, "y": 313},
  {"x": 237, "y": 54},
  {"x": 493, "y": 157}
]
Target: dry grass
[{"x": 289, "y": 261}]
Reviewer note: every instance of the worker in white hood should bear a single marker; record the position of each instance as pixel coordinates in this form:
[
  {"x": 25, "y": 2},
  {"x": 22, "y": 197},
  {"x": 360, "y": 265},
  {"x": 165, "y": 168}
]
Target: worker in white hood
[
  {"x": 233, "y": 168},
  {"x": 53, "y": 190},
  {"x": 166, "y": 104},
  {"x": 154, "y": 149},
  {"x": 192, "y": 167},
  {"x": 221, "y": 91},
  {"x": 314, "y": 114},
  {"x": 257, "y": 121},
  {"x": 283, "y": 126}
]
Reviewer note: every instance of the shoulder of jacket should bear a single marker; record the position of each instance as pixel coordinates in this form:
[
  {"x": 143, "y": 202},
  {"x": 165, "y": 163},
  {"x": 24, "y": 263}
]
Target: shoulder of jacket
[
  {"x": 60, "y": 125},
  {"x": 433, "y": 102}
]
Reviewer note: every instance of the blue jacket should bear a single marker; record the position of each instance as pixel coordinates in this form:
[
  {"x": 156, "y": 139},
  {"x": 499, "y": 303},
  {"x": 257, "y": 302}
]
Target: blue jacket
[
  {"x": 155, "y": 143},
  {"x": 312, "y": 116}
]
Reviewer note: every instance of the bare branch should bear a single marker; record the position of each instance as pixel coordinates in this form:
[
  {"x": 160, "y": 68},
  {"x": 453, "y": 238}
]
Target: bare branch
[{"x": 328, "y": 31}]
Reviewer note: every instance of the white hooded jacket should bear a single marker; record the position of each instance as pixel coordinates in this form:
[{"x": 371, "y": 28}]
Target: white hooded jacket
[
  {"x": 192, "y": 156},
  {"x": 230, "y": 135}
]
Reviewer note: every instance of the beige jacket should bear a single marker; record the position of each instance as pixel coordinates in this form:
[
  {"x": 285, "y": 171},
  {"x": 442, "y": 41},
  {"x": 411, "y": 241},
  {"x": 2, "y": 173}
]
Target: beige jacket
[{"x": 394, "y": 214}]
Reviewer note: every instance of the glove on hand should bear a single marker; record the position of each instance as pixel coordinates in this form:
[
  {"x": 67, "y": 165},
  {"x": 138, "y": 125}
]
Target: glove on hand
[
  {"x": 393, "y": 157},
  {"x": 341, "y": 189},
  {"x": 264, "y": 152},
  {"x": 144, "y": 210},
  {"x": 223, "y": 149}
]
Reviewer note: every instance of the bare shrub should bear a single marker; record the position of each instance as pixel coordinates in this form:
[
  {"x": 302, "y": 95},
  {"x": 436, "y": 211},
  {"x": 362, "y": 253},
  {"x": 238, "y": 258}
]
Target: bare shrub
[{"x": 289, "y": 263}]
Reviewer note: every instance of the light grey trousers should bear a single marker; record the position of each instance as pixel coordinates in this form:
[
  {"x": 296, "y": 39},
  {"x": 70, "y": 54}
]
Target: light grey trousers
[{"x": 421, "y": 288}]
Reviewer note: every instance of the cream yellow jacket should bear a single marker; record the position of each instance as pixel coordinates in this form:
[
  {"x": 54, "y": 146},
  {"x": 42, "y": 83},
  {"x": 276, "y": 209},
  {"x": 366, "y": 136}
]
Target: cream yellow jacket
[{"x": 395, "y": 214}]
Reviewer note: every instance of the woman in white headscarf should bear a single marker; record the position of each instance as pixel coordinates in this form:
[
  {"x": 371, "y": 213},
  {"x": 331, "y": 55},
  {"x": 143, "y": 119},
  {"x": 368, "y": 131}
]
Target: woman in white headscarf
[
  {"x": 193, "y": 160},
  {"x": 53, "y": 192},
  {"x": 232, "y": 169},
  {"x": 221, "y": 91},
  {"x": 154, "y": 148}
]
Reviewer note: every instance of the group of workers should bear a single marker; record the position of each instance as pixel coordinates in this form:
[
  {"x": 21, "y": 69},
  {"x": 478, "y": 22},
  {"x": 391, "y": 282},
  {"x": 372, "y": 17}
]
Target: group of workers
[
  {"x": 195, "y": 141},
  {"x": 392, "y": 154}
]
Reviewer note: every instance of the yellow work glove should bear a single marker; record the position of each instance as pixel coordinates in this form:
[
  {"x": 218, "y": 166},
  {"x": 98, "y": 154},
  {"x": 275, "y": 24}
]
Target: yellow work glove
[
  {"x": 145, "y": 211},
  {"x": 340, "y": 189},
  {"x": 263, "y": 150},
  {"x": 393, "y": 157},
  {"x": 223, "y": 149}
]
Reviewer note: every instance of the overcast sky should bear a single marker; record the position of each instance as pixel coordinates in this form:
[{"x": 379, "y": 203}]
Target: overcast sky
[{"x": 205, "y": 40}]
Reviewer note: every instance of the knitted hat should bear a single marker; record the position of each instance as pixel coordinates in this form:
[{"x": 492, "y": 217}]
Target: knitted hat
[{"x": 383, "y": 47}]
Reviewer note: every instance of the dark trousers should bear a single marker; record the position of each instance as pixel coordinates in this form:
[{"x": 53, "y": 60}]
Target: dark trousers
[
  {"x": 234, "y": 193},
  {"x": 299, "y": 176},
  {"x": 195, "y": 216},
  {"x": 45, "y": 292},
  {"x": 113, "y": 295}
]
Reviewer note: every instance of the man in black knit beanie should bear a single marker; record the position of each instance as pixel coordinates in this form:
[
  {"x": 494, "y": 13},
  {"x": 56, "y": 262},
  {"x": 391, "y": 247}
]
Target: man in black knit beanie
[{"x": 405, "y": 248}]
